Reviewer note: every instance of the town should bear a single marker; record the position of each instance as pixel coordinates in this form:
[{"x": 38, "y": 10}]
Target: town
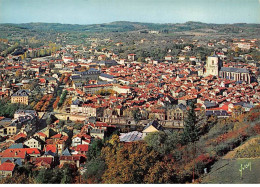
[{"x": 59, "y": 101}]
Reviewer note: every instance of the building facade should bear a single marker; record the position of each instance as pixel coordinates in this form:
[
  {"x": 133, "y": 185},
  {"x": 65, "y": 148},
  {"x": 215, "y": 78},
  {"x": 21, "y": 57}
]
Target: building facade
[
  {"x": 21, "y": 96},
  {"x": 237, "y": 74},
  {"x": 212, "y": 66}
]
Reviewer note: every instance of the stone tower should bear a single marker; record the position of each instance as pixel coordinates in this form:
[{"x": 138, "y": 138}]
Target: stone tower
[{"x": 212, "y": 66}]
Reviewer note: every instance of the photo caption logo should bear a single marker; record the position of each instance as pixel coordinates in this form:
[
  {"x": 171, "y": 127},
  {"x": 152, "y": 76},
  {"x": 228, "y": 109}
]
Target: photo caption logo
[{"x": 243, "y": 167}]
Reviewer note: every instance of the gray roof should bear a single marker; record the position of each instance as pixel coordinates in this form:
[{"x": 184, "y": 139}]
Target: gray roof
[
  {"x": 15, "y": 146},
  {"x": 131, "y": 136},
  {"x": 76, "y": 102},
  {"x": 209, "y": 104},
  {"x": 66, "y": 152},
  {"x": 75, "y": 77},
  {"x": 106, "y": 75},
  {"x": 216, "y": 113},
  {"x": 17, "y": 161},
  {"x": 237, "y": 70},
  {"x": 90, "y": 71},
  {"x": 21, "y": 93},
  {"x": 99, "y": 131},
  {"x": 108, "y": 62},
  {"x": 78, "y": 84},
  {"x": 20, "y": 111},
  {"x": 50, "y": 153},
  {"x": 244, "y": 104}
]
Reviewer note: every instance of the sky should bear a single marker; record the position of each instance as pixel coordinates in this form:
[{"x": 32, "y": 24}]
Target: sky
[{"x": 151, "y": 11}]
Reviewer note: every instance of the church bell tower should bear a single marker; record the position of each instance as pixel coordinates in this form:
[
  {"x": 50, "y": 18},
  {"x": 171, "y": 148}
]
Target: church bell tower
[{"x": 212, "y": 66}]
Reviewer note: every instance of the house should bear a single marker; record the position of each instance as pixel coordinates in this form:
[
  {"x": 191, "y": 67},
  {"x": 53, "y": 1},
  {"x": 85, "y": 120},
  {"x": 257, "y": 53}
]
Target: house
[
  {"x": 102, "y": 57},
  {"x": 76, "y": 140},
  {"x": 208, "y": 104},
  {"x": 151, "y": 127},
  {"x": 57, "y": 143},
  {"x": 157, "y": 114},
  {"x": 181, "y": 58},
  {"x": 121, "y": 89},
  {"x": 80, "y": 139},
  {"x": 218, "y": 113},
  {"x": 176, "y": 115},
  {"x": 187, "y": 48},
  {"x": 21, "y": 96},
  {"x": 131, "y": 57},
  {"x": 41, "y": 135},
  {"x": 11, "y": 129},
  {"x": 7, "y": 168},
  {"x": 22, "y": 113},
  {"x": 93, "y": 88},
  {"x": 50, "y": 150},
  {"x": 106, "y": 77},
  {"x": 34, "y": 142},
  {"x": 168, "y": 57},
  {"x": 97, "y": 133},
  {"x": 82, "y": 149},
  {"x": 19, "y": 155},
  {"x": 73, "y": 159},
  {"x": 42, "y": 162}
]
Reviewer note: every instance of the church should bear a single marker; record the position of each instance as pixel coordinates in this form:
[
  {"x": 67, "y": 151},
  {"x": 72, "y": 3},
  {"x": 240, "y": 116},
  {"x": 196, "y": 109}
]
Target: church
[{"x": 214, "y": 67}]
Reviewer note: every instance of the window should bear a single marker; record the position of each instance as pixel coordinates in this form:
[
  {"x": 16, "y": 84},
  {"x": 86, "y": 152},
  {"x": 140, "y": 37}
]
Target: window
[{"x": 212, "y": 62}]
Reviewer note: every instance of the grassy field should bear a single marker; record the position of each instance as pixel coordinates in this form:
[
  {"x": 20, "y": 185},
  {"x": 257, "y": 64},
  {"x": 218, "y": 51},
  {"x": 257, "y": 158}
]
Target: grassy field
[{"x": 227, "y": 172}]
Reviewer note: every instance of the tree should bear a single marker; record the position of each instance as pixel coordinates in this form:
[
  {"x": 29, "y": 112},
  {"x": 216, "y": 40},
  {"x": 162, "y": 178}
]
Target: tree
[
  {"x": 191, "y": 130},
  {"x": 162, "y": 172},
  {"x": 44, "y": 176},
  {"x": 163, "y": 143},
  {"x": 127, "y": 163},
  {"x": 55, "y": 104},
  {"x": 137, "y": 115},
  {"x": 95, "y": 169},
  {"x": 62, "y": 98},
  {"x": 18, "y": 73},
  {"x": 95, "y": 149},
  {"x": 67, "y": 175}
]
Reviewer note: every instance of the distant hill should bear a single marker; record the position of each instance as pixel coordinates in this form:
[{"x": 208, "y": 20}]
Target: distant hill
[{"x": 120, "y": 26}]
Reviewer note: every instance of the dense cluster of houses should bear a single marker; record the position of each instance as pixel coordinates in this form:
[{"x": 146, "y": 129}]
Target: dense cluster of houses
[{"x": 109, "y": 90}]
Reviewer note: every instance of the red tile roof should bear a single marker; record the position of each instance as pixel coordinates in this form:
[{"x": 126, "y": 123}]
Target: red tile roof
[
  {"x": 57, "y": 136},
  {"x": 70, "y": 158},
  {"x": 7, "y": 166},
  {"x": 51, "y": 148},
  {"x": 42, "y": 134},
  {"x": 82, "y": 147},
  {"x": 36, "y": 160},
  {"x": 14, "y": 153}
]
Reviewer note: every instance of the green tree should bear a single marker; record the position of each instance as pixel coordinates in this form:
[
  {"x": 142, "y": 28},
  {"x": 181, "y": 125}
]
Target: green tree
[
  {"x": 191, "y": 128},
  {"x": 95, "y": 169},
  {"x": 44, "y": 176},
  {"x": 162, "y": 142},
  {"x": 67, "y": 175},
  {"x": 95, "y": 149}
]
